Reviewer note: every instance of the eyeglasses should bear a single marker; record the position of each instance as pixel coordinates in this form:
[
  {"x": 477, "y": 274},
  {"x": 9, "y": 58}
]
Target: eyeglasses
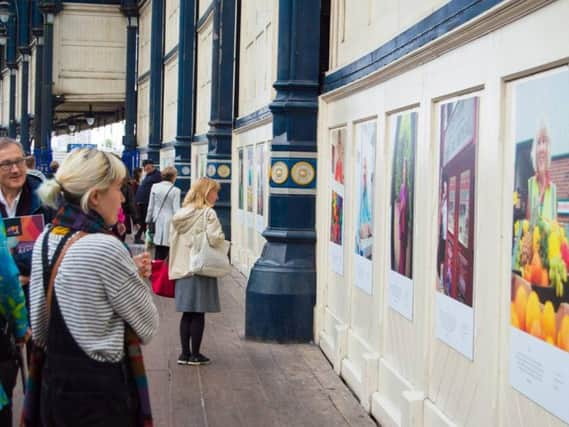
[{"x": 6, "y": 166}]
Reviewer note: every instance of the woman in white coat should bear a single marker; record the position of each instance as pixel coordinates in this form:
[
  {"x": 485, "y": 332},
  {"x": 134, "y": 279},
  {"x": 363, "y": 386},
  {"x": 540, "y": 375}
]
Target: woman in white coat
[{"x": 163, "y": 204}]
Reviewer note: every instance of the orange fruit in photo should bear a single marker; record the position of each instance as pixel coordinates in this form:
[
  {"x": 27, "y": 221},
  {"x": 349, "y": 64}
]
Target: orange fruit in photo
[
  {"x": 514, "y": 320},
  {"x": 533, "y": 312},
  {"x": 563, "y": 335},
  {"x": 548, "y": 326},
  {"x": 520, "y": 303},
  {"x": 535, "y": 329}
]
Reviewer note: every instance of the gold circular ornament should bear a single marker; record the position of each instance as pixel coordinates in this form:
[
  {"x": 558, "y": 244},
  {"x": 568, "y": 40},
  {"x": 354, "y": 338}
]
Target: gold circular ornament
[
  {"x": 279, "y": 172},
  {"x": 223, "y": 171},
  {"x": 211, "y": 170},
  {"x": 302, "y": 173}
]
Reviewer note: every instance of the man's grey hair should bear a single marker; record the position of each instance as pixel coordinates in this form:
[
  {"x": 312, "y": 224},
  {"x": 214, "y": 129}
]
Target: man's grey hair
[{"x": 5, "y": 142}]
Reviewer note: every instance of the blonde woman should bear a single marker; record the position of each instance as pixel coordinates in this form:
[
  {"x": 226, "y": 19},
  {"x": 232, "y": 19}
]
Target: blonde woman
[
  {"x": 195, "y": 295},
  {"x": 99, "y": 301}
]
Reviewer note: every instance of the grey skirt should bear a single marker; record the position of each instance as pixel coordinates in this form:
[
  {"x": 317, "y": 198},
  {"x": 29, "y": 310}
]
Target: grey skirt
[{"x": 197, "y": 294}]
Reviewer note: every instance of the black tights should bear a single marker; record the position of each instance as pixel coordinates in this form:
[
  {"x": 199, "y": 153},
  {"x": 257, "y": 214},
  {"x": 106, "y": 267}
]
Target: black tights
[{"x": 191, "y": 328}]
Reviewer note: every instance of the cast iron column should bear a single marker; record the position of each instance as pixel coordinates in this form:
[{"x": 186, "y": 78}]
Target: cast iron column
[
  {"x": 221, "y": 119},
  {"x": 156, "y": 80},
  {"x": 49, "y": 9},
  {"x": 37, "y": 30},
  {"x": 186, "y": 92},
  {"x": 13, "y": 67},
  {"x": 130, "y": 154},
  {"x": 281, "y": 291},
  {"x": 24, "y": 48}
]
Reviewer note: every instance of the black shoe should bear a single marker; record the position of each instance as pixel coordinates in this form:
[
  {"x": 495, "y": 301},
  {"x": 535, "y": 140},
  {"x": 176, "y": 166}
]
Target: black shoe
[
  {"x": 183, "y": 359},
  {"x": 198, "y": 359}
]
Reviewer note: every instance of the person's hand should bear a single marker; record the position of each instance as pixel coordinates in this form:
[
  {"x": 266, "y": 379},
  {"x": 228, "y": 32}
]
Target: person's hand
[
  {"x": 121, "y": 228},
  {"x": 143, "y": 263},
  {"x": 24, "y": 280}
]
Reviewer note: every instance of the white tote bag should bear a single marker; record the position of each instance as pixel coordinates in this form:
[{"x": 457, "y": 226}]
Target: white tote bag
[{"x": 206, "y": 260}]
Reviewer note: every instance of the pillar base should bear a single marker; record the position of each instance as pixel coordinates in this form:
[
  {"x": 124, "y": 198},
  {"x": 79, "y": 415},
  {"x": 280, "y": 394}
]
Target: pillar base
[{"x": 281, "y": 295}]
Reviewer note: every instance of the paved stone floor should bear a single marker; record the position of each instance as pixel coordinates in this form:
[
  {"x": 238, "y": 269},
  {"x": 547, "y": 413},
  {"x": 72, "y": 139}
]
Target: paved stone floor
[{"x": 248, "y": 383}]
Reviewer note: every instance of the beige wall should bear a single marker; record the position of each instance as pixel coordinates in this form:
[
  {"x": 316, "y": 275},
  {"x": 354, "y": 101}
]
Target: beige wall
[
  {"x": 257, "y": 54},
  {"x": 170, "y": 106},
  {"x": 5, "y": 104},
  {"x": 172, "y": 17},
  {"x": 142, "y": 124},
  {"x": 246, "y": 227},
  {"x": 144, "y": 32},
  {"x": 203, "y": 5},
  {"x": 17, "y": 96},
  {"x": 203, "y": 104},
  {"x": 400, "y": 371},
  {"x": 89, "y": 57},
  {"x": 358, "y": 27},
  {"x": 32, "y": 81}
]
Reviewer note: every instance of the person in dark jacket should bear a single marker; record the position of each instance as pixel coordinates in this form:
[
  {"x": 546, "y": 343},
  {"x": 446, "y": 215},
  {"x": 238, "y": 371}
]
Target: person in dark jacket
[
  {"x": 143, "y": 195},
  {"x": 18, "y": 196}
]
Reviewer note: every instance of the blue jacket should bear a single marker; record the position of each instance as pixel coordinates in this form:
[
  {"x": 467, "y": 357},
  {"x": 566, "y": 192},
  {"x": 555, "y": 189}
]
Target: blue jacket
[
  {"x": 143, "y": 192},
  {"x": 29, "y": 204}
]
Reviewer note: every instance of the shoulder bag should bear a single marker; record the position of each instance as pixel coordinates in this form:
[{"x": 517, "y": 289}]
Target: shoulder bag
[
  {"x": 206, "y": 260},
  {"x": 151, "y": 226}
]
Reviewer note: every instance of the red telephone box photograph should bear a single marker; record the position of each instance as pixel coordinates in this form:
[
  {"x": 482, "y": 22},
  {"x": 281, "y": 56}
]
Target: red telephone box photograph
[{"x": 458, "y": 138}]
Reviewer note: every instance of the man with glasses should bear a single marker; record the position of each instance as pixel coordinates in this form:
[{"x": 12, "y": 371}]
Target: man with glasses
[{"x": 18, "y": 195}]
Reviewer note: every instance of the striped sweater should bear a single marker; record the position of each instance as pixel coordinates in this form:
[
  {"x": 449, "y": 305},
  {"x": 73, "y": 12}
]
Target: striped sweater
[{"x": 98, "y": 288}]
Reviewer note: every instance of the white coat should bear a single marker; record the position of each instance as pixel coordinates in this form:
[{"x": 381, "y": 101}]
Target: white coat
[
  {"x": 162, "y": 219},
  {"x": 186, "y": 225}
]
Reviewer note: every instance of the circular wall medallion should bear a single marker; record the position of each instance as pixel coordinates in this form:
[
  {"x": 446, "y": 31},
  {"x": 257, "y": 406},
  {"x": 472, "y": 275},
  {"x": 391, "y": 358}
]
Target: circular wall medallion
[
  {"x": 210, "y": 170},
  {"x": 302, "y": 173},
  {"x": 279, "y": 172},
  {"x": 185, "y": 170},
  {"x": 223, "y": 171}
]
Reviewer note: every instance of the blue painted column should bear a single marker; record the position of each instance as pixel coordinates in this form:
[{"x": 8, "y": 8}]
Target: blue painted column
[
  {"x": 130, "y": 155},
  {"x": 24, "y": 48},
  {"x": 37, "y": 30},
  {"x": 49, "y": 9},
  {"x": 221, "y": 119},
  {"x": 156, "y": 81},
  {"x": 281, "y": 292},
  {"x": 186, "y": 92},
  {"x": 13, "y": 67}
]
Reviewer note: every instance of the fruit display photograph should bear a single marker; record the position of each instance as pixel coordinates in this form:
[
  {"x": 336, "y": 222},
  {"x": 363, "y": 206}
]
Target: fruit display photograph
[{"x": 540, "y": 247}]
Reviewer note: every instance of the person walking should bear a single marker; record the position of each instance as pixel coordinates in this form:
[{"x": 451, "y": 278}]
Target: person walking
[
  {"x": 143, "y": 196},
  {"x": 164, "y": 202},
  {"x": 13, "y": 324},
  {"x": 195, "y": 295},
  {"x": 96, "y": 305}
]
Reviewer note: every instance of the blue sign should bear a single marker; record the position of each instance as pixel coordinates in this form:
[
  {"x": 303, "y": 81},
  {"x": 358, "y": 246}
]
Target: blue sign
[{"x": 71, "y": 147}]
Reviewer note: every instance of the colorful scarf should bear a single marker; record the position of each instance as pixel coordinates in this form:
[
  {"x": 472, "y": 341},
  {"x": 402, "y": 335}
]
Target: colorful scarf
[{"x": 70, "y": 217}]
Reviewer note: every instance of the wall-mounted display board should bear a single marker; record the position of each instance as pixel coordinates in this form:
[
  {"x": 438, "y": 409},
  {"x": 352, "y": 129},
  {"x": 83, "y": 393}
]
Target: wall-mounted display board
[
  {"x": 539, "y": 339},
  {"x": 262, "y": 183},
  {"x": 338, "y": 150},
  {"x": 249, "y": 187},
  {"x": 458, "y": 135},
  {"x": 403, "y": 140},
  {"x": 240, "y": 187},
  {"x": 366, "y": 139}
]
